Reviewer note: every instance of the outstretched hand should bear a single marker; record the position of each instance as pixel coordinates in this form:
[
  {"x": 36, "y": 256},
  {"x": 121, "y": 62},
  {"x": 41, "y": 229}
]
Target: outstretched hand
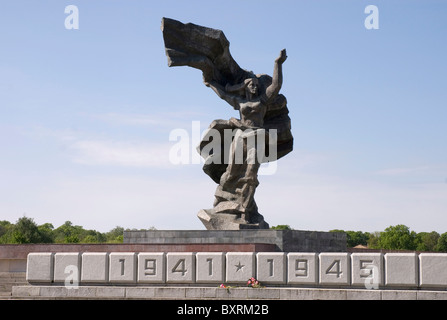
[{"x": 282, "y": 56}]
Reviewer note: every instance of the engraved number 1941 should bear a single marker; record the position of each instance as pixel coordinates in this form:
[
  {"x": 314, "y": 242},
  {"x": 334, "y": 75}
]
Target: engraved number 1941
[
  {"x": 180, "y": 267},
  {"x": 150, "y": 267}
]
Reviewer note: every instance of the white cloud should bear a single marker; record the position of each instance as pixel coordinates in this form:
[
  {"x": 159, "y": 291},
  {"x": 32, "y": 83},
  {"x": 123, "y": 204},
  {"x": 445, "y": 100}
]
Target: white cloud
[
  {"x": 303, "y": 193},
  {"x": 160, "y": 119},
  {"x": 403, "y": 171},
  {"x": 120, "y": 153},
  {"x": 92, "y": 149},
  {"x": 172, "y": 198},
  {"x": 102, "y": 202},
  {"x": 316, "y": 202}
]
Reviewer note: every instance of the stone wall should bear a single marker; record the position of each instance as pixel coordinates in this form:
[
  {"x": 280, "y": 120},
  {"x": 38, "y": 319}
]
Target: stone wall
[
  {"x": 283, "y": 240},
  {"x": 324, "y": 270}
]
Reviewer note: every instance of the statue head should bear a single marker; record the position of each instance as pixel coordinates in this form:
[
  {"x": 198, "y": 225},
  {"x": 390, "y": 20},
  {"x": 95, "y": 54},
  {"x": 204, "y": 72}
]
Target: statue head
[{"x": 252, "y": 86}]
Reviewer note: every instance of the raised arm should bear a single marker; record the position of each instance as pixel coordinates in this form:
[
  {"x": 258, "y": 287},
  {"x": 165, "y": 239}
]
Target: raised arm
[
  {"x": 273, "y": 90},
  {"x": 233, "y": 100}
]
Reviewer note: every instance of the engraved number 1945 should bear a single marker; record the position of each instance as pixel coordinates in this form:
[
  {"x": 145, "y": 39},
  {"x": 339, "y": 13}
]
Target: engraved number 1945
[{"x": 335, "y": 269}]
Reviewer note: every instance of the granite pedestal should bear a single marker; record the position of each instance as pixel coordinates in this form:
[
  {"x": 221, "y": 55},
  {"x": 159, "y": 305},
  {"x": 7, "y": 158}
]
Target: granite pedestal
[{"x": 281, "y": 240}]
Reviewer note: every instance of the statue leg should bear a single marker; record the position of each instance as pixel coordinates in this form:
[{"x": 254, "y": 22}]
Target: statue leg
[{"x": 234, "y": 205}]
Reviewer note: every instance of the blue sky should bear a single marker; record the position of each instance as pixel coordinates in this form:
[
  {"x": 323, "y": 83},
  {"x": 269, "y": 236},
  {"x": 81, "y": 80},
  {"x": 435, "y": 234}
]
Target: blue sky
[{"x": 85, "y": 115}]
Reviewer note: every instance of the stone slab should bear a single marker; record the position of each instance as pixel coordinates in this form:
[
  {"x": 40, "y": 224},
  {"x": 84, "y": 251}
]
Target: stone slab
[
  {"x": 334, "y": 269},
  {"x": 302, "y": 268},
  {"x": 399, "y": 295},
  {"x": 111, "y": 292},
  {"x": 363, "y": 294},
  {"x": 271, "y": 267},
  {"x": 67, "y": 266},
  {"x": 367, "y": 270},
  {"x": 202, "y": 293},
  {"x": 188, "y": 293},
  {"x": 170, "y": 293},
  {"x": 180, "y": 267},
  {"x": 140, "y": 293},
  {"x": 433, "y": 269},
  {"x": 282, "y": 240},
  {"x": 240, "y": 266},
  {"x": 40, "y": 267},
  {"x": 293, "y": 294},
  {"x": 151, "y": 267},
  {"x": 431, "y": 295},
  {"x": 94, "y": 267},
  {"x": 122, "y": 267},
  {"x": 401, "y": 269},
  {"x": 210, "y": 267}
]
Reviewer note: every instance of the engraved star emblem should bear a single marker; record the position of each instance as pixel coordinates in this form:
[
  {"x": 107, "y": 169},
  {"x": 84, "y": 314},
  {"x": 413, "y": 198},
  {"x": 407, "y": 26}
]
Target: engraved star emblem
[{"x": 239, "y": 266}]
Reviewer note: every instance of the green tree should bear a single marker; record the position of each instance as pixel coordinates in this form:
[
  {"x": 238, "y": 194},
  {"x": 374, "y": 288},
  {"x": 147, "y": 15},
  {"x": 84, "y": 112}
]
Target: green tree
[
  {"x": 373, "y": 241},
  {"x": 442, "y": 243},
  {"x": 89, "y": 239},
  {"x": 92, "y": 236},
  {"x": 68, "y": 233},
  {"x": 397, "y": 237},
  {"x": 25, "y": 230},
  {"x": 46, "y": 233},
  {"x": 354, "y": 238},
  {"x": 282, "y": 227},
  {"x": 4, "y": 226},
  {"x": 427, "y": 241},
  {"x": 5, "y": 231},
  {"x": 115, "y": 235}
]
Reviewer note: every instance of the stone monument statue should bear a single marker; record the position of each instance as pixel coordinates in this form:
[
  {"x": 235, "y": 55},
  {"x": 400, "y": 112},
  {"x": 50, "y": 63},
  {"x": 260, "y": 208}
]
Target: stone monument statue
[{"x": 239, "y": 146}]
